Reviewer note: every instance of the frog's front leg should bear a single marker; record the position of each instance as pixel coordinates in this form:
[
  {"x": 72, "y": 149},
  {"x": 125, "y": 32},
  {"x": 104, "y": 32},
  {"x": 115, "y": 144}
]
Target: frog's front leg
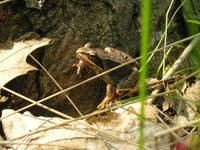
[
  {"x": 80, "y": 65},
  {"x": 110, "y": 95}
]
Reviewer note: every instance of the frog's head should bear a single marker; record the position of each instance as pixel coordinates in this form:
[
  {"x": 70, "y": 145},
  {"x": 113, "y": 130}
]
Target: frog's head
[{"x": 87, "y": 49}]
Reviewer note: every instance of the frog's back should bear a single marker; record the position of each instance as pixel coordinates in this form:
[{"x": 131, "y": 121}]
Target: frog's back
[{"x": 112, "y": 56}]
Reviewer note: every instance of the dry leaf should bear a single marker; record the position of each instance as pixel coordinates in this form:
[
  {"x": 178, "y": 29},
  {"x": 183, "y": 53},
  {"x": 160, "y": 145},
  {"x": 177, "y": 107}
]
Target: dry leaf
[
  {"x": 193, "y": 94},
  {"x": 13, "y": 61},
  {"x": 76, "y": 136}
]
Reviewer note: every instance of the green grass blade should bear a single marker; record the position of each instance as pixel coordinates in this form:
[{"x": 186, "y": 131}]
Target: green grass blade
[
  {"x": 193, "y": 21},
  {"x": 146, "y": 7}
]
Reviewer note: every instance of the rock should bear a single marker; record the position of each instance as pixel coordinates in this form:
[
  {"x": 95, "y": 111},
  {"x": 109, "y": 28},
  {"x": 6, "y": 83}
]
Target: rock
[{"x": 71, "y": 24}]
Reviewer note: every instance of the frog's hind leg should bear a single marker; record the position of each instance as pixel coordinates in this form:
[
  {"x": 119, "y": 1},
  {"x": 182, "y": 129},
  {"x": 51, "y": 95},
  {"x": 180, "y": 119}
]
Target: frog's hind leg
[{"x": 128, "y": 81}]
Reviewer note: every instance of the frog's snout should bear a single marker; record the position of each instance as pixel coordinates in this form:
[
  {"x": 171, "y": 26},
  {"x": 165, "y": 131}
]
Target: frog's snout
[
  {"x": 80, "y": 51},
  {"x": 85, "y": 51}
]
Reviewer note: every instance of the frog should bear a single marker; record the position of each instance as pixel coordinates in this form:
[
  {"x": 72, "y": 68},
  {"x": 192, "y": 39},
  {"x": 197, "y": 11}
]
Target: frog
[{"x": 100, "y": 60}]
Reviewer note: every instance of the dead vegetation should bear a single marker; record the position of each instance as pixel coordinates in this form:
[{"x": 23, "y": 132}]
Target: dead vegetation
[{"x": 171, "y": 109}]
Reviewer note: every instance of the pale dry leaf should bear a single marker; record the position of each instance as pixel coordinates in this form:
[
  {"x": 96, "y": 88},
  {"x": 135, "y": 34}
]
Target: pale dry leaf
[
  {"x": 13, "y": 61},
  {"x": 76, "y": 136},
  {"x": 193, "y": 94}
]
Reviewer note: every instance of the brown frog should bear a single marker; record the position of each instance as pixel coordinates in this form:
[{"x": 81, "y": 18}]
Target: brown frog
[{"x": 99, "y": 60}]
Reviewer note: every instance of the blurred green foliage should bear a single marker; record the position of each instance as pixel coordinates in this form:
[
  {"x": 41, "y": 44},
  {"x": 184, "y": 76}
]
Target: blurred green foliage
[{"x": 190, "y": 14}]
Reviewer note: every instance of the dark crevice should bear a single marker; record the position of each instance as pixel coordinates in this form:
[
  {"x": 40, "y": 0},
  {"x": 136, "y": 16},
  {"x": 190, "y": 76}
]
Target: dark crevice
[{"x": 38, "y": 74}]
